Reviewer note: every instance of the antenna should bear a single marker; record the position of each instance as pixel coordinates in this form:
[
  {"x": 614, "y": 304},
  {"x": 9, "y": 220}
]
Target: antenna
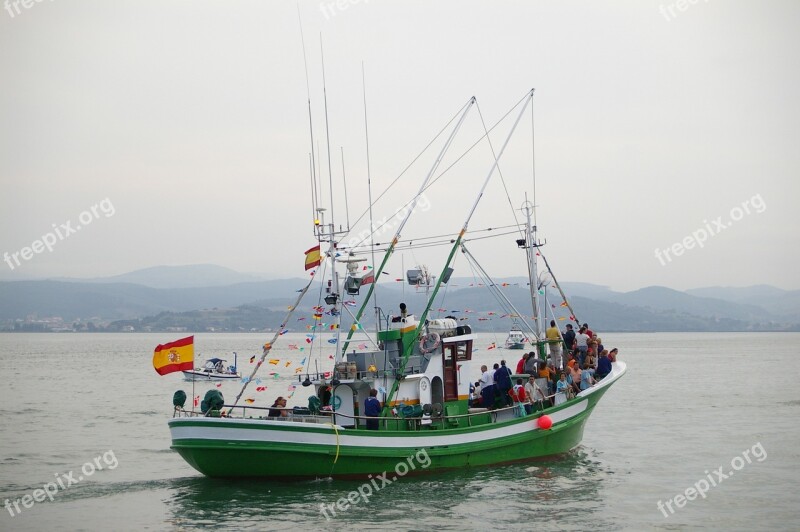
[
  {"x": 314, "y": 198},
  {"x": 344, "y": 178},
  {"x": 533, "y": 163},
  {"x": 327, "y": 131}
]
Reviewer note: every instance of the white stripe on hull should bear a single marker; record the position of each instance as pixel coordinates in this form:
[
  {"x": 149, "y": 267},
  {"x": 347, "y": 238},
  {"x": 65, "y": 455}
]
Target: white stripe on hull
[{"x": 215, "y": 429}]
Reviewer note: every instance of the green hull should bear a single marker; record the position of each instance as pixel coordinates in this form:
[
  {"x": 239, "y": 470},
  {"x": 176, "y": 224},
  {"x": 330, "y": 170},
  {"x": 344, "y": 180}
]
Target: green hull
[{"x": 248, "y": 448}]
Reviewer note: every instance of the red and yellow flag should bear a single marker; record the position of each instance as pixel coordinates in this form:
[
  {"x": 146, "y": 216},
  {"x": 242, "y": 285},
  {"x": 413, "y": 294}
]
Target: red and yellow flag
[
  {"x": 174, "y": 356},
  {"x": 313, "y": 257}
]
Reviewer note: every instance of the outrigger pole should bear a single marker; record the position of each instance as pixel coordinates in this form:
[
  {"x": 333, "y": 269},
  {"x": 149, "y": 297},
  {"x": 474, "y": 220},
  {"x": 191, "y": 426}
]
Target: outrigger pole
[
  {"x": 268, "y": 345},
  {"x": 456, "y": 245},
  {"x": 396, "y": 237}
]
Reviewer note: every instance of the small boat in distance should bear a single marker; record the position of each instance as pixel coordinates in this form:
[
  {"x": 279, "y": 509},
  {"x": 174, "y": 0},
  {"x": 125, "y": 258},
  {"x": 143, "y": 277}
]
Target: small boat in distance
[
  {"x": 516, "y": 339},
  {"x": 213, "y": 370}
]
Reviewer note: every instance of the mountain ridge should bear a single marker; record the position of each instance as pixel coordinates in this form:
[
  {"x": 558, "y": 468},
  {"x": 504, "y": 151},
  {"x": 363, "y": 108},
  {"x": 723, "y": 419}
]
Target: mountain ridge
[{"x": 172, "y": 289}]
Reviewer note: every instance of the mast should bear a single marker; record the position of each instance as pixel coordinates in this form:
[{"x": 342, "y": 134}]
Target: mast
[{"x": 531, "y": 245}]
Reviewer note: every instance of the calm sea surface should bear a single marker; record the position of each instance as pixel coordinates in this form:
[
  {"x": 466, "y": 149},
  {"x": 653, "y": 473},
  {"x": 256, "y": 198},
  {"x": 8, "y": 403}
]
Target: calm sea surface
[{"x": 690, "y": 404}]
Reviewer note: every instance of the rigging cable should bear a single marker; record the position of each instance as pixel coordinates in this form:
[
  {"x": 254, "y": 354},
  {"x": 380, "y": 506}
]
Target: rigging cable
[
  {"x": 502, "y": 180},
  {"x": 396, "y": 179},
  {"x": 268, "y": 345},
  {"x": 327, "y": 130},
  {"x": 499, "y": 292},
  {"x": 434, "y": 180}
]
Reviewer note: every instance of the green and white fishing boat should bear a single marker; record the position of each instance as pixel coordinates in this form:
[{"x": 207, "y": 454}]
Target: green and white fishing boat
[{"x": 422, "y": 367}]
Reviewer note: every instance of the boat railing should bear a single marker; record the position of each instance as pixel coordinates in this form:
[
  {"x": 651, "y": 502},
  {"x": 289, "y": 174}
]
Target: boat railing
[
  {"x": 226, "y": 412},
  {"x": 416, "y": 422},
  {"x": 360, "y": 375},
  {"x": 304, "y": 415}
]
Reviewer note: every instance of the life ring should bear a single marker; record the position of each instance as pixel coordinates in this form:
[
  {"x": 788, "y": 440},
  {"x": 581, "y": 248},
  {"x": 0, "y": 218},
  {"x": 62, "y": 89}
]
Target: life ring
[
  {"x": 336, "y": 402},
  {"x": 425, "y": 340}
]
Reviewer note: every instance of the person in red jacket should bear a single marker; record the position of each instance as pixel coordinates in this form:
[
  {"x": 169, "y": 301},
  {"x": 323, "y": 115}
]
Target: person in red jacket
[
  {"x": 521, "y": 363},
  {"x": 518, "y": 395}
]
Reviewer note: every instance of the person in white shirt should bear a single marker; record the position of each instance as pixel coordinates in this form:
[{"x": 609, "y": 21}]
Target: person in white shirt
[
  {"x": 582, "y": 343},
  {"x": 487, "y": 388}
]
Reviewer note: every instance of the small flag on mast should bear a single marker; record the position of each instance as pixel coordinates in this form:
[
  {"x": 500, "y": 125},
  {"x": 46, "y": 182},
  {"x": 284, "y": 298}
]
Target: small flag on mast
[{"x": 313, "y": 257}]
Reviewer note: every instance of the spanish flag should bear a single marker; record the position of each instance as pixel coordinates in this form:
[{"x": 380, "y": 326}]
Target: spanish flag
[
  {"x": 313, "y": 257},
  {"x": 174, "y": 356}
]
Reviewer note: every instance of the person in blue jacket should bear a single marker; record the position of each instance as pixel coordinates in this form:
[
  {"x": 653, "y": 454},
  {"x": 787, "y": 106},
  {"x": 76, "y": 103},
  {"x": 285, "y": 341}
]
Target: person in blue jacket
[
  {"x": 372, "y": 408},
  {"x": 502, "y": 379},
  {"x": 603, "y": 366}
]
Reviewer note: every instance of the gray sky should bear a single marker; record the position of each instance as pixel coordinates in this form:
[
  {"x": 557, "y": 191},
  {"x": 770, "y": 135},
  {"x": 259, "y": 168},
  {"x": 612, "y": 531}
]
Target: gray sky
[{"x": 654, "y": 122}]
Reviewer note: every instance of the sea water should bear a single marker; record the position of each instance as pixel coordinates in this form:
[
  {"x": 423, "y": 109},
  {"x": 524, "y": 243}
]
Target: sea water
[{"x": 85, "y": 438}]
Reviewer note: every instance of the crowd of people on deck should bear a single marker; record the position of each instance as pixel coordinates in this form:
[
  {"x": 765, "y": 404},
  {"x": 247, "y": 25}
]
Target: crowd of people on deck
[{"x": 576, "y": 362}]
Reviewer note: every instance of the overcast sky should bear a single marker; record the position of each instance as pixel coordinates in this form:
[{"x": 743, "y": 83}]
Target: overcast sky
[{"x": 185, "y": 125}]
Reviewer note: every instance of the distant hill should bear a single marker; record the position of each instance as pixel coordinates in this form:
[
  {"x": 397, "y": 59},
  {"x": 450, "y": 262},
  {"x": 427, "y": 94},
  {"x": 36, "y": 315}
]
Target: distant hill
[
  {"x": 190, "y": 276},
  {"x": 753, "y": 293},
  {"x": 74, "y": 300},
  {"x": 166, "y": 296}
]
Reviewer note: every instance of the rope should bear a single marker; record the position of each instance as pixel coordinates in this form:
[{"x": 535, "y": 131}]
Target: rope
[{"x": 336, "y": 458}]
